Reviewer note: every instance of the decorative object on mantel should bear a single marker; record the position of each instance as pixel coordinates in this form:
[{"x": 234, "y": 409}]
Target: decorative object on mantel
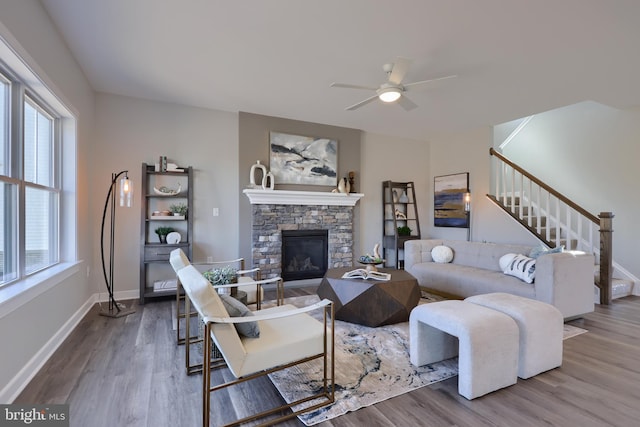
[
  {"x": 352, "y": 182},
  {"x": 268, "y": 181},
  {"x": 252, "y": 175},
  {"x": 343, "y": 186},
  {"x": 296, "y": 159}
]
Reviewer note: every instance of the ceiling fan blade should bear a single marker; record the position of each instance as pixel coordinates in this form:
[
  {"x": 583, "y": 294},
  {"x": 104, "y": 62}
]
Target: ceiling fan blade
[
  {"x": 424, "y": 83},
  {"x": 400, "y": 68},
  {"x": 350, "y": 86},
  {"x": 361, "y": 103},
  {"x": 406, "y": 103}
]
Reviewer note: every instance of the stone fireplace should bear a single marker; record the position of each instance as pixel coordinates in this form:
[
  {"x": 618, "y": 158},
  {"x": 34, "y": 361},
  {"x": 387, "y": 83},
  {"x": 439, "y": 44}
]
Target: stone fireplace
[{"x": 274, "y": 211}]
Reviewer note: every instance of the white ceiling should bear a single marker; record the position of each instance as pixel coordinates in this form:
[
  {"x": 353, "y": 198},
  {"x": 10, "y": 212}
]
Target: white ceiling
[{"x": 513, "y": 58}]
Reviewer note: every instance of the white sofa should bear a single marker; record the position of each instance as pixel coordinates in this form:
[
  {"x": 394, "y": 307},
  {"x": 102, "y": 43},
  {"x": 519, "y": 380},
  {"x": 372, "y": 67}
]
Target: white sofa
[{"x": 564, "y": 280}]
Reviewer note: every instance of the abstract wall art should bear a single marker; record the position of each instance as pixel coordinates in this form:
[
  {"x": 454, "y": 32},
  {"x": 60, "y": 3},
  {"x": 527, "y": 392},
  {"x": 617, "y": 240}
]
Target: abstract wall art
[
  {"x": 296, "y": 159},
  {"x": 448, "y": 201}
]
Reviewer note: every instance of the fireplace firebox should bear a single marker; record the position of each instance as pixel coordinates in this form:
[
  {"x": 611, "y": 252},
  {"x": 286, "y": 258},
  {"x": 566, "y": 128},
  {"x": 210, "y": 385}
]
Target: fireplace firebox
[{"x": 304, "y": 254}]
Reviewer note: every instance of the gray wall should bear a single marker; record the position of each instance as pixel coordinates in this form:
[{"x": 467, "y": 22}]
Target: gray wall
[
  {"x": 131, "y": 131},
  {"x": 469, "y": 152}
]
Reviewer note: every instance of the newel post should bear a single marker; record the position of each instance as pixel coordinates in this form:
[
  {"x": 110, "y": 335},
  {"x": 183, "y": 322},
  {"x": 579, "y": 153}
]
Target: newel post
[{"x": 606, "y": 256}]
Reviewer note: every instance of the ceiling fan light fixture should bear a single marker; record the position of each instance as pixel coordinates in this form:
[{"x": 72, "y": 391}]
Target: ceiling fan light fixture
[{"x": 389, "y": 94}]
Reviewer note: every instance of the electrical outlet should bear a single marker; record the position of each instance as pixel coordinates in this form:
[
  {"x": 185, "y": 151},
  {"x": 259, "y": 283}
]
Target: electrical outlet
[
  {"x": 209, "y": 259},
  {"x": 216, "y": 211}
]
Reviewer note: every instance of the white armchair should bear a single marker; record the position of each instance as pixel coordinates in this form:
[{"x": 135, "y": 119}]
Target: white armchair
[
  {"x": 288, "y": 336},
  {"x": 178, "y": 260}
]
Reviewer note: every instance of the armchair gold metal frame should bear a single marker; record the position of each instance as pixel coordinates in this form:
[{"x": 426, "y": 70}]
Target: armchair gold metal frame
[
  {"x": 252, "y": 274},
  {"x": 290, "y": 337},
  {"x": 326, "y": 393},
  {"x": 197, "y": 368}
]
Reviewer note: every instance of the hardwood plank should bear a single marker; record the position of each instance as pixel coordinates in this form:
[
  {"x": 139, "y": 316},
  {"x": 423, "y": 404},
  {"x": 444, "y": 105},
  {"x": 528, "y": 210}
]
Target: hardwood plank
[{"x": 129, "y": 372}]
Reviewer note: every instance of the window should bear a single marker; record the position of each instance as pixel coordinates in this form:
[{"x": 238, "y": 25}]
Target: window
[{"x": 29, "y": 178}]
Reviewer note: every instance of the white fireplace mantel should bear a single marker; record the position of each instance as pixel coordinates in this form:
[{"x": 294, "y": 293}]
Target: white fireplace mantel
[{"x": 288, "y": 197}]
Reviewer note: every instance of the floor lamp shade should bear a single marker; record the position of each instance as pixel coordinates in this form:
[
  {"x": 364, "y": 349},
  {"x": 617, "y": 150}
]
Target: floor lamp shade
[
  {"x": 116, "y": 309},
  {"x": 126, "y": 191}
]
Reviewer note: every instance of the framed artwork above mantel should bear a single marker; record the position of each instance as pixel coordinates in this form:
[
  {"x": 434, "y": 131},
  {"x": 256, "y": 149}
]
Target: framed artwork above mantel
[{"x": 296, "y": 159}]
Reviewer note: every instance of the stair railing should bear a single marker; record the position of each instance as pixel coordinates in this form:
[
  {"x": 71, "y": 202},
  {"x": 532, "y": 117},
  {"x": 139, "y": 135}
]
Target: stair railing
[{"x": 552, "y": 217}]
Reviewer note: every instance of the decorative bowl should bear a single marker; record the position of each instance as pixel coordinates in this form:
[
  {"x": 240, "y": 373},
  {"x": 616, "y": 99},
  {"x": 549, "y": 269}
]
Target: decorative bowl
[
  {"x": 166, "y": 191},
  {"x": 367, "y": 259}
]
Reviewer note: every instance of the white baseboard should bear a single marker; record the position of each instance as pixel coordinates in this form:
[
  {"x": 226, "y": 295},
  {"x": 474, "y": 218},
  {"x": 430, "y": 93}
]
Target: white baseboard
[
  {"x": 119, "y": 296},
  {"x": 11, "y": 391},
  {"x": 18, "y": 383}
]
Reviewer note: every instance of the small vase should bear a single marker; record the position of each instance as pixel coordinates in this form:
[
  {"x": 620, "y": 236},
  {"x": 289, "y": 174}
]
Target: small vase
[
  {"x": 352, "y": 180},
  {"x": 404, "y": 198},
  {"x": 343, "y": 186},
  {"x": 252, "y": 174},
  {"x": 268, "y": 182},
  {"x": 163, "y": 238}
]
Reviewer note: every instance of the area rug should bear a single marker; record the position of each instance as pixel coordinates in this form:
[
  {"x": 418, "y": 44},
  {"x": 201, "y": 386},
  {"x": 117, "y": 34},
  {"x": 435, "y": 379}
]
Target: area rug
[{"x": 372, "y": 365}]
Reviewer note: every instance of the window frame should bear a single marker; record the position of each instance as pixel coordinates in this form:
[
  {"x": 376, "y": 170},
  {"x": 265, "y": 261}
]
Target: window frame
[
  {"x": 19, "y": 95},
  {"x": 55, "y": 189}
]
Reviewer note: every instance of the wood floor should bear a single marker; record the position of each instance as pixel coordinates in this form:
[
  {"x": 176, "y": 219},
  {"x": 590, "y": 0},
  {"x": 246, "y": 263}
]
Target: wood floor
[{"x": 129, "y": 372}]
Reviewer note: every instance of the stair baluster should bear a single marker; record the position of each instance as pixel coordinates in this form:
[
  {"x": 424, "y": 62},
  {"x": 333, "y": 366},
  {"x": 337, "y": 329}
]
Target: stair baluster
[{"x": 554, "y": 218}]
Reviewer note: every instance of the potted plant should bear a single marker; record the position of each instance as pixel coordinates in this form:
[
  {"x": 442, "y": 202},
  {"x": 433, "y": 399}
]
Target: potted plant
[
  {"x": 179, "y": 209},
  {"x": 162, "y": 233},
  {"x": 222, "y": 276},
  {"x": 404, "y": 231}
]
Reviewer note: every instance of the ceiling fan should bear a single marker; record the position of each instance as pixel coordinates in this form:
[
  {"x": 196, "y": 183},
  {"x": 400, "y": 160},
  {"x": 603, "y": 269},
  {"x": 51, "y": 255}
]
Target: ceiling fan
[{"x": 393, "y": 89}]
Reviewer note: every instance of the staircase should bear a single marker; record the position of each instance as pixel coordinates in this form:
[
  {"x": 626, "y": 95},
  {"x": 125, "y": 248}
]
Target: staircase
[{"x": 557, "y": 221}]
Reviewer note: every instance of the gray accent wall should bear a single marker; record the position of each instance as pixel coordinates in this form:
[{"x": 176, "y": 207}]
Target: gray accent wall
[{"x": 253, "y": 145}]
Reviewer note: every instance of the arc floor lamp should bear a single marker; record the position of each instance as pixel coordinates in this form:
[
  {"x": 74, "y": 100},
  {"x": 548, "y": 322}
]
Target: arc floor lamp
[{"x": 115, "y": 309}]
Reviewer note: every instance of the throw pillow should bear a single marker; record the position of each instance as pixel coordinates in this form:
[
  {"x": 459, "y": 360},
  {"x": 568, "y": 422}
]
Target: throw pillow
[
  {"x": 543, "y": 250},
  {"x": 505, "y": 260},
  {"x": 522, "y": 267},
  {"x": 236, "y": 309},
  {"x": 442, "y": 254}
]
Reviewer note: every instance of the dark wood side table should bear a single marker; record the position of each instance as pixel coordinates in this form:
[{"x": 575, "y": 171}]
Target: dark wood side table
[{"x": 371, "y": 302}]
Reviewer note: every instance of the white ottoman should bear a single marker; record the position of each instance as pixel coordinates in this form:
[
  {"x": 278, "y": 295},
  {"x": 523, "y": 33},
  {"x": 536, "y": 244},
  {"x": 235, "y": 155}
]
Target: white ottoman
[
  {"x": 540, "y": 325},
  {"x": 486, "y": 344}
]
